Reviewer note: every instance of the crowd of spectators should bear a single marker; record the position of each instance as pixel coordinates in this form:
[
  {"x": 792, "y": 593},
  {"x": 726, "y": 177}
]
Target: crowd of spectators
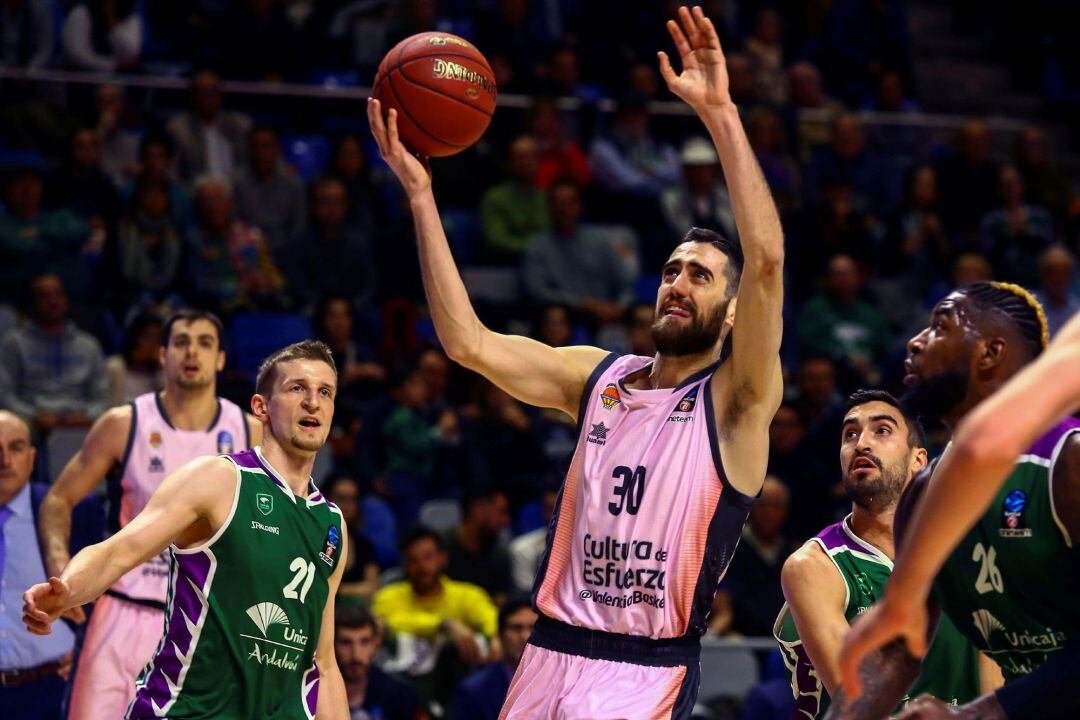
[{"x": 120, "y": 205}]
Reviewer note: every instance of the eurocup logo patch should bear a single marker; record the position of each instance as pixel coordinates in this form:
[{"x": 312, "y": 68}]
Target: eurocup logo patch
[
  {"x": 224, "y": 443},
  {"x": 265, "y": 503},
  {"x": 610, "y": 397},
  {"x": 330, "y": 546},
  {"x": 1013, "y": 522}
]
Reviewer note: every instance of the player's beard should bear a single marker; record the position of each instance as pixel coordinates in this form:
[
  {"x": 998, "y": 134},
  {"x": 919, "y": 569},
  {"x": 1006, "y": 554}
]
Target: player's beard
[
  {"x": 193, "y": 383},
  {"x": 935, "y": 397},
  {"x": 307, "y": 444},
  {"x": 881, "y": 492},
  {"x": 698, "y": 336}
]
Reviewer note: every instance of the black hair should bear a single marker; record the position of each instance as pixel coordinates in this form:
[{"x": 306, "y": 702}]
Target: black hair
[
  {"x": 136, "y": 328},
  {"x": 263, "y": 128},
  {"x": 731, "y": 248},
  {"x": 475, "y": 493},
  {"x": 916, "y": 437},
  {"x": 418, "y": 533},
  {"x": 355, "y": 617},
  {"x": 323, "y": 305},
  {"x": 190, "y": 315},
  {"x": 1016, "y": 304},
  {"x": 510, "y": 606},
  {"x": 157, "y": 137}
]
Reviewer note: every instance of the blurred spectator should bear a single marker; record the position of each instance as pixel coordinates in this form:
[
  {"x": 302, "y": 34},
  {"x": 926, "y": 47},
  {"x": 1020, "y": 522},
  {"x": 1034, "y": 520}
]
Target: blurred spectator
[
  {"x": 971, "y": 268},
  {"x": 640, "y": 335},
  {"x": 766, "y": 51},
  {"x": 26, "y": 34},
  {"x": 753, "y": 579},
  {"x": 891, "y": 95},
  {"x": 559, "y": 156},
  {"x": 1045, "y": 183},
  {"x": 561, "y": 76},
  {"x": 157, "y": 158},
  {"x": 32, "y": 241},
  {"x": 644, "y": 79},
  {"x": 119, "y": 140},
  {"x": 742, "y": 84},
  {"x": 209, "y": 140},
  {"x": 629, "y": 160},
  {"x": 103, "y": 36},
  {"x": 701, "y": 199},
  {"x": 334, "y": 325},
  {"x": 791, "y": 462},
  {"x": 51, "y": 372},
  {"x": 807, "y": 92},
  {"x": 1057, "y": 267},
  {"x": 919, "y": 248},
  {"x": 505, "y": 28},
  {"x": 361, "y": 577},
  {"x": 872, "y": 177},
  {"x": 349, "y": 165},
  {"x": 554, "y": 327},
  {"x": 333, "y": 255},
  {"x": 250, "y": 39},
  {"x": 781, "y": 169},
  {"x": 372, "y": 693},
  {"x": 527, "y": 549},
  {"x": 1015, "y": 233},
  {"x": 514, "y": 211},
  {"x": 428, "y": 606},
  {"x": 575, "y": 265},
  {"x": 150, "y": 247},
  {"x": 231, "y": 267},
  {"x": 820, "y": 404},
  {"x": 840, "y": 325},
  {"x": 480, "y": 695},
  {"x": 269, "y": 195},
  {"x": 82, "y": 187},
  {"x": 36, "y": 667},
  {"x": 968, "y": 179},
  {"x": 861, "y": 41},
  {"x": 476, "y": 550},
  {"x": 502, "y": 446},
  {"x": 137, "y": 369}
]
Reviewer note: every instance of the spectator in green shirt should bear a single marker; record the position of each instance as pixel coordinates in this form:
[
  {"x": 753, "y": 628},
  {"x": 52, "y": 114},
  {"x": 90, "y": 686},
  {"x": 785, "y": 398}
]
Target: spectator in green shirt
[{"x": 513, "y": 212}]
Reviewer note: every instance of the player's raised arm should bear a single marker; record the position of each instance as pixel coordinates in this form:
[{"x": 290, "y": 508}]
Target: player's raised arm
[
  {"x": 186, "y": 503},
  {"x": 529, "y": 370}
]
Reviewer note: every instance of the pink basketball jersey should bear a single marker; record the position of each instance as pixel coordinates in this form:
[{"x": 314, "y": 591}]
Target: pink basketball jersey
[
  {"x": 646, "y": 522},
  {"x": 155, "y": 449}
]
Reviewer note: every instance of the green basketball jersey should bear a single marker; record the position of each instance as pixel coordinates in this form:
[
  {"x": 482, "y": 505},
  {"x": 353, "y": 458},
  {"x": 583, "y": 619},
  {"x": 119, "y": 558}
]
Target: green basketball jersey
[
  {"x": 245, "y": 608},
  {"x": 1011, "y": 584},
  {"x": 950, "y": 669}
]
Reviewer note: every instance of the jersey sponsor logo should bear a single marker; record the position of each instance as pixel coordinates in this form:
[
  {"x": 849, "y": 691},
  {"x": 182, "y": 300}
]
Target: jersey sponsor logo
[
  {"x": 286, "y": 647},
  {"x": 611, "y": 563},
  {"x": 155, "y": 439},
  {"x": 684, "y": 408},
  {"x": 156, "y": 465},
  {"x": 265, "y": 503},
  {"x": 1013, "y": 522},
  {"x": 598, "y": 434},
  {"x": 333, "y": 539},
  {"x": 256, "y": 525},
  {"x": 610, "y": 397},
  {"x": 267, "y": 614},
  {"x": 1025, "y": 641},
  {"x": 224, "y": 442}
]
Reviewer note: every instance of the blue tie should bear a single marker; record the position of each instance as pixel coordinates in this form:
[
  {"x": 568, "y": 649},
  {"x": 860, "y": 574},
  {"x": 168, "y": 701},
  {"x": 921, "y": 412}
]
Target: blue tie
[{"x": 5, "y": 513}]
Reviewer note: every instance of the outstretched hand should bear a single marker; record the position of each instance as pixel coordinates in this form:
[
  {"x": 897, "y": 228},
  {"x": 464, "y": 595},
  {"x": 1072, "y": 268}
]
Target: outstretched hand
[
  {"x": 413, "y": 172},
  {"x": 43, "y": 603},
  {"x": 884, "y": 623},
  {"x": 703, "y": 82}
]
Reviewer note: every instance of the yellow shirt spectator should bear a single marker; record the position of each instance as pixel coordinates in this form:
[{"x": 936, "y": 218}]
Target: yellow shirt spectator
[{"x": 404, "y": 611}]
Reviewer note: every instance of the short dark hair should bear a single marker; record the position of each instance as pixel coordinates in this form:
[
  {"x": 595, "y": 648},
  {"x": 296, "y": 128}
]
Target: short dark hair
[
  {"x": 1016, "y": 304},
  {"x": 476, "y": 493},
  {"x": 916, "y": 437},
  {"x": 157, "y": 137},
  {"x": 355, "y": 617},
  {"x": 134, "y": 329},
  {"x": 260, "y": 128},
  {"x": 303, "y": 350},
  {"x": 190, "y": 315},
  {"x": 510, "y": 606},
  {"x": 731, "y": 248},
  {"x": 418, "y": 533}
]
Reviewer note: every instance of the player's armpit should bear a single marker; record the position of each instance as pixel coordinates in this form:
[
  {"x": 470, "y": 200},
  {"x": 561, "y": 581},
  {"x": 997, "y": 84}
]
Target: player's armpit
[
  {"x": 816, "y": 596},
  {"x": 887, "y": 675}
]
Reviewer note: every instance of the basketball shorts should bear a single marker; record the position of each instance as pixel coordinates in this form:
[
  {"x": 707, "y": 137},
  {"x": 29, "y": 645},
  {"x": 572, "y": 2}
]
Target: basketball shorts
[
  {"x": 120, "y": 640},
  {"x": 572, "y": 673}
]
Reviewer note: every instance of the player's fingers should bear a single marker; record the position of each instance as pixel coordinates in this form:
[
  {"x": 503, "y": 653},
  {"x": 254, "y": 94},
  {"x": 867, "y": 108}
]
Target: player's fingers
[
  {"x": 709, "y": 37},
  {"x": 376, "y": 122},
  {"x": 392, "y": 131},
  {"x": 666, "y": 71},
  {"x": 58, "y": 586},
  {"x": 682, "y": 45},
  {"x": 689, "y": 27}
]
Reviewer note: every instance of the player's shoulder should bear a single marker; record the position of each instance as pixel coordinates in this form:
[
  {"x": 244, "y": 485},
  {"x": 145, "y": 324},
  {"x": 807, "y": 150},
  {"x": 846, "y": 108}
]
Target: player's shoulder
[
  {"x": 807, "y": 564},
  {"x": 1065, "y": 484},
  {"x": 210, "y": 467},
  {"x": 111, "y": 430}
]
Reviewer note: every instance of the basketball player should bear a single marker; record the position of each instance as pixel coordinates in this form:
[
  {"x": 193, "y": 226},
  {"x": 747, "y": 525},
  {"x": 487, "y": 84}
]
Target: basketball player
[
  {"x": 966, "y": 482},
  {"x": 671, "y": 449},
  {"x": 840, "y": 573},
  {"x": 255, "y": 555},
  {"x": 143, "y": 441},
  {"x": 1012, "y": 583}
]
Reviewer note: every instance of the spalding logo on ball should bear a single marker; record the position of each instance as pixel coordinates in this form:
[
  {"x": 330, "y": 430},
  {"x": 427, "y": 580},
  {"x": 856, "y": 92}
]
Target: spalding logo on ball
[{"x": 443, "y": 90}]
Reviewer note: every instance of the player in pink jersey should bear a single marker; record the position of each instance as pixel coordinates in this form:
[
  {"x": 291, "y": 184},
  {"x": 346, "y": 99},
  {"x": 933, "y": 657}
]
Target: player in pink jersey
[
  {"x": 140, "y": 443},
  {"x": 671, "y": 449}
]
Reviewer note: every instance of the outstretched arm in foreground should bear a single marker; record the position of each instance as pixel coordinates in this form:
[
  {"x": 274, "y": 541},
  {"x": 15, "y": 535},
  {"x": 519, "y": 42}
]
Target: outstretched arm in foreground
[
  {"x": 188, "y": 506},
  {"x": 752, "y": 388},
  {"x": 531, "y": 371}
]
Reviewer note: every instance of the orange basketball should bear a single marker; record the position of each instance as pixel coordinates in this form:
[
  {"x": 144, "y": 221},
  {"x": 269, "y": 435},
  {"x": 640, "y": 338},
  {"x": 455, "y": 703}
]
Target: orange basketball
[{"x": 443, "y": 90}]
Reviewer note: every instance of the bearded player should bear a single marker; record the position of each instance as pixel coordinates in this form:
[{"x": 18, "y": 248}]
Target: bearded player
[
  {"x": 841, "y": 572},
  {"x": 967, "y": 482},
  {"x": 140, "y": 443},
  {"x": 671, "y": 449},
  {"x": 1011, "y": 583},
  {"x": 256, "y": 549}
]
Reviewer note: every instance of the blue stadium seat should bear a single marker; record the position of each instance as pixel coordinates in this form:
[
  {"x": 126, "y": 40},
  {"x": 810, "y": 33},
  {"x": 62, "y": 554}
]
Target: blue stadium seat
[
  {"x": 308, "y": 154},
  {"x": 381, "y": 529},
  {"x": 336, "y": 78},
  {"x": 253, "y": 336},
  {"x": 770, "y": 700}
]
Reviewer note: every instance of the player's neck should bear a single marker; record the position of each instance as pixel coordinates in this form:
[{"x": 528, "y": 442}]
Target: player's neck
[
  {"x": 293, "y": 467},
  {"x": 875, "y": 527},
  {"x": 191, "y": 409},
  {"x": 668, "y": 371}
]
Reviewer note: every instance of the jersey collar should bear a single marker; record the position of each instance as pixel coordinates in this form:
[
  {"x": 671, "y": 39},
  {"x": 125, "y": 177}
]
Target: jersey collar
[
  {"x": 314, "y": 496},
  {"x": 863, "y": 545}
]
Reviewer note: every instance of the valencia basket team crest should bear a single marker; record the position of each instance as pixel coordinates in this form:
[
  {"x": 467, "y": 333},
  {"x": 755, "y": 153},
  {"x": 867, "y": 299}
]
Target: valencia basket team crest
[{"x": 610, "y": 397}]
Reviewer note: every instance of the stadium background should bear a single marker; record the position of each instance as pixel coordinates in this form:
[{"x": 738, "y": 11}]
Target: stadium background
[{"x": 911, "y": 147}]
